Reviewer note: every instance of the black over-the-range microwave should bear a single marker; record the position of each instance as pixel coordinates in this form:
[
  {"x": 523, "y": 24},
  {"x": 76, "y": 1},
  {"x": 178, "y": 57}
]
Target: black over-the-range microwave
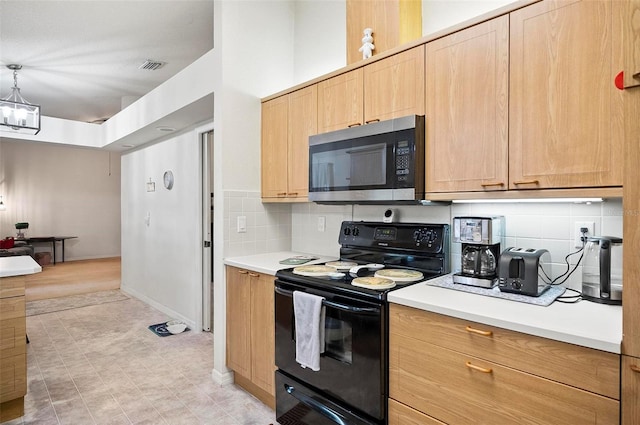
[{"x": 381, "y": 162}]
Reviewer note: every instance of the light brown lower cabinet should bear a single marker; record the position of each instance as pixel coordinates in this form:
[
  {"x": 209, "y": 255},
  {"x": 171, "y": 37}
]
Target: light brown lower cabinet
[
  {"x": 399, "y": 414},
  {"x": 250, "y": 331},
  {"x": 456, "y": 387},
  {"x": 630, "y": 390},
  {"x": 13, "y": 348}
]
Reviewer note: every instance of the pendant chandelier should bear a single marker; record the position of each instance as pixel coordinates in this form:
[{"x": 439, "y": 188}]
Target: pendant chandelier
[{"x": 16, "y": 114}]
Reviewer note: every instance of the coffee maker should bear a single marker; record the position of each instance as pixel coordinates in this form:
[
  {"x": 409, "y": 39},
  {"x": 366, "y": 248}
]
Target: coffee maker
[{"x": 481, "y": 239}]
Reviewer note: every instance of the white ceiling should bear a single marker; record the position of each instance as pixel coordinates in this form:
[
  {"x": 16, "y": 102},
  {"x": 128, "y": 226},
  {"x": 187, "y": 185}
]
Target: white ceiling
[{"x": 80, "y": 58}]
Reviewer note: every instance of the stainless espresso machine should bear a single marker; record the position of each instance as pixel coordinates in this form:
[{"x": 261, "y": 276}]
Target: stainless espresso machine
[{"x": 481, "y": 239}]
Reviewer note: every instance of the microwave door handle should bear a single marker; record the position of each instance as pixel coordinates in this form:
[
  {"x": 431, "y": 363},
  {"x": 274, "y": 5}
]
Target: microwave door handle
[
  {"x": 338, "y": 306},
  {"x": 315, "y": 405},
  {"x": 373, "y": 148}
]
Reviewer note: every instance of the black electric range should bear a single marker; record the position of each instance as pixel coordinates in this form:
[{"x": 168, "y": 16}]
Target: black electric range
[{"x": 351, "y": 385}]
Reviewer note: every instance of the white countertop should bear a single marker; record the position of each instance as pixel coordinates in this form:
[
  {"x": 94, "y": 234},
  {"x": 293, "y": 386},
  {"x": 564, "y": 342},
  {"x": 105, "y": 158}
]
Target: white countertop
[
  {"x": 584, "y": 323},
  {"x": 270, "y": 262},
  {"x": 18, "y": 265}
]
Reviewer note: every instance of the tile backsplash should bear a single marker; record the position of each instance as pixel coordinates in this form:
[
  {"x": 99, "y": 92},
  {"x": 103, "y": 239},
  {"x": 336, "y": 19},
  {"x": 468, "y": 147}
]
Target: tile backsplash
[
  {"x": 313, "y": 228},
  {"x": 527, "y": 225},
  {"x": 268, "y": 226}
]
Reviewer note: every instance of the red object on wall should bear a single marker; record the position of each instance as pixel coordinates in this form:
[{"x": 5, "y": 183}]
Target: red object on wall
[
  {"x": 6, "y": 243},
  {"x": 619, "y": 80}
]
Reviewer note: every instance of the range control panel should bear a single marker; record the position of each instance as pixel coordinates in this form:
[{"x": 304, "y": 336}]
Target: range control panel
[{"x": 428, "y": 238}]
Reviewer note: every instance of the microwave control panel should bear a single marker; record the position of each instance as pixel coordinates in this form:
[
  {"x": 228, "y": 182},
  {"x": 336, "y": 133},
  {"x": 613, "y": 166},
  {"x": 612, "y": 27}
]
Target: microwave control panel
[{"x": 403, "y": 160}]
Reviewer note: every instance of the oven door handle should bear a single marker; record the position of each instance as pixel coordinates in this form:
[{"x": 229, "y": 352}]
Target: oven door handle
[
  {"x": 315, "y": 405},
  {"x": 332, "y": 304}
]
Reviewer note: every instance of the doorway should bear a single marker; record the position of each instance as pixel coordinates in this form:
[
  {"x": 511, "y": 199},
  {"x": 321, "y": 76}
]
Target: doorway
[{"x": 207, "y": 230}]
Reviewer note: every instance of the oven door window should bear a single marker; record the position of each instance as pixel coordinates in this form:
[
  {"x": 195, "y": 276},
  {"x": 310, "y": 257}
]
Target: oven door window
[{"x": 338, "y": 334}]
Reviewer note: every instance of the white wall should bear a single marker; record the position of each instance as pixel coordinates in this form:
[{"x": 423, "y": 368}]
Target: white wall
[
  {"x": 440, "y": 14},
  {"x": 320, "y": 38},
  {"x": 161, "y": 242},
  {"x": 62, "y": 191},
  {"x": 253, "y": 48}
]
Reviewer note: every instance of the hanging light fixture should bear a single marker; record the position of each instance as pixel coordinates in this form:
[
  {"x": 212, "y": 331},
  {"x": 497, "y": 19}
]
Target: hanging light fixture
[{"x": 16, "y": 114}]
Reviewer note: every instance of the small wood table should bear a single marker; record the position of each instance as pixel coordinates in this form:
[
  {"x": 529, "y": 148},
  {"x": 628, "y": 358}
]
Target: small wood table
[{"x": 52, "y": 240}]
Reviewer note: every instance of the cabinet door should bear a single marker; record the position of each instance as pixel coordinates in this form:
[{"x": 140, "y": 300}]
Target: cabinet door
[
  {"x": 262, "y": 331},
  {"x": 565, "y": 112},
  {"x": 460, "y": 389},
  {"x": 275, "y": 115},
  {"x": 303, "y": 122},
  {"x": 631, "y": 25},
  {"x": 340, "y": 102},
  {"x": 394, "y": 86},
  {"x": 467, "y": 76},
  {"x": 239, "y": 321},
  {"x": 630, "y": 390}
]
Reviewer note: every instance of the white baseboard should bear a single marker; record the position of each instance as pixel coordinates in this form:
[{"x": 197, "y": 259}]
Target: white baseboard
[
  {"x": 169, "y": 312},
  {"x": 220, "y": 378}
]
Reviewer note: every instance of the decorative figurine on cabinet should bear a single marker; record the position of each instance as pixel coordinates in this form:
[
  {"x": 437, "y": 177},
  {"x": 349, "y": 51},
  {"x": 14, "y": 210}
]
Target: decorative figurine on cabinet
[{"x": 367, "y": 44}]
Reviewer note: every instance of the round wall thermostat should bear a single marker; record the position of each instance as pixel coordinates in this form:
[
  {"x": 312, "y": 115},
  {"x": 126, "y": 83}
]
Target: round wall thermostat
[{"x": 168, "y": 179}]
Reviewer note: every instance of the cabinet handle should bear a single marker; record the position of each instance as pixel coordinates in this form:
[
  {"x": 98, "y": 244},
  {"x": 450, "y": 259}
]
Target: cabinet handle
[
  {"x": 526, "y": 182},
  {"x": 478, "y": 331},
  {"x": 374, "y": 120},
  {"x": 491, "y": 184},
  {"x": 281, "y": 194},
  {"x": 636, "y": 75},
  {"x": 354, "y": 125},
  {"x": 292, "y": 194},
  {"x": 478, "y": 368},
  {"x": 254, "y": 274},
  {"x": 243, "y": 271},
  {"x": 635, "y": 368}
]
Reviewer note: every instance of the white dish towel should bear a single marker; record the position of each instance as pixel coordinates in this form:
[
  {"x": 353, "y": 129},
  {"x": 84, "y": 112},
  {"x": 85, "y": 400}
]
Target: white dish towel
[{"x": 309, "y": 319}]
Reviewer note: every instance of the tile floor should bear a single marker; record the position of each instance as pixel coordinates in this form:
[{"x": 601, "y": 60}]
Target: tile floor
[{"x": 101, "y": 365}]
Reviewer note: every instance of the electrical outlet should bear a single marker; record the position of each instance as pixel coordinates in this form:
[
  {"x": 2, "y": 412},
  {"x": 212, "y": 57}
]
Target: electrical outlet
[
  {"x": 589, "y": 225},
  {"x": 322, "y": 223},
  {"x": 242, "y": 224}
]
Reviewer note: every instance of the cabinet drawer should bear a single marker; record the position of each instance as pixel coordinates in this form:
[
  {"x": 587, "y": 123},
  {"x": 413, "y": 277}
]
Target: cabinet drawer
[
  {"x": 12, "y": 308},
  {"x": 11, "y": 286},
  {"x": 462, "y": 389},
  {"x": 13, "y": 377},
  {"x": 581, "y": 367},
  {"x": 399, "y": 414},
  {"x": 13, "y": 337}
]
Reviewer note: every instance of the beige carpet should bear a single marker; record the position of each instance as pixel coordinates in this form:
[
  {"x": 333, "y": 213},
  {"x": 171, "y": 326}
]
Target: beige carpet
[{"x": 74, "y": 301}]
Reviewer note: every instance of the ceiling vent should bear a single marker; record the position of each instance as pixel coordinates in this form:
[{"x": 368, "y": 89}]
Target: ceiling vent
[{"x": 151, "y": 65}]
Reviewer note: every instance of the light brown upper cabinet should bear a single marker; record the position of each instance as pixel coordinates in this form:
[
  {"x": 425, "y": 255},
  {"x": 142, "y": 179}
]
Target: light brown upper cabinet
[
  {"x": 566, "y": 116},
  {"x": 389, "y": 88},
  {"x": 467, "y": 78},
  {"x": 394, "y": 86},
  {"x": 287, "y": 123},
  {"x": 393, "y": 22},
  {"x": 631, "y": 25},
  {"x": 340, "y": 103}
]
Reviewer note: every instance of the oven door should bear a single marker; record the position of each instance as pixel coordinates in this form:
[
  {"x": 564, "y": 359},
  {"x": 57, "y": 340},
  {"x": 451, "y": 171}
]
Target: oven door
[{"x": 352, "y": 367}]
